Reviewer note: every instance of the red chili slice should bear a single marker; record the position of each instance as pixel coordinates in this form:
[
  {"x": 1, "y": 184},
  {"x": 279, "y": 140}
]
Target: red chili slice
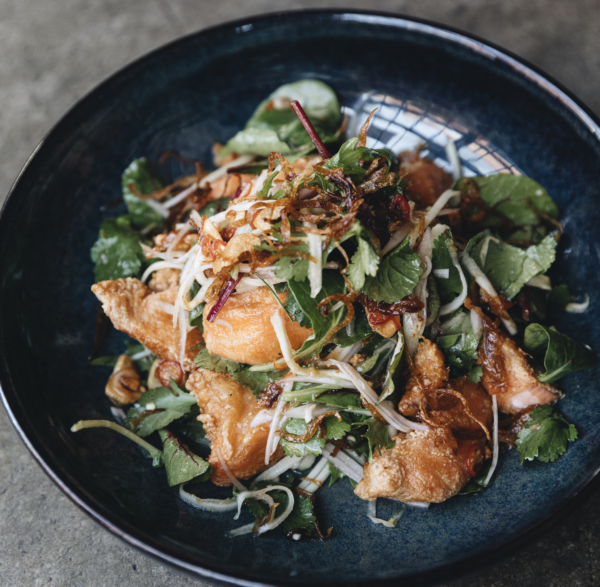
[
  {"x": 400, "y": 203},
  {"x": 474, "y": 459},
  {"x": 168, "y": 370}
]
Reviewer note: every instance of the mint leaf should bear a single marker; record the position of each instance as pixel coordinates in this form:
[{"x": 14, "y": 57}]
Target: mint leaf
[
  {"x": 204, "y": 360},
  {"x": 546, "y": 436},
  {"x": 510, "y": 268},
  {"x": 397, "y": 276},
  {"x": 364, "y": 262},
  {"x": 143, "y": 216},
  {"x": 181, "y": 464},
  {"x": 562, "y": 355},
  {"x": 157, "y": 408}
]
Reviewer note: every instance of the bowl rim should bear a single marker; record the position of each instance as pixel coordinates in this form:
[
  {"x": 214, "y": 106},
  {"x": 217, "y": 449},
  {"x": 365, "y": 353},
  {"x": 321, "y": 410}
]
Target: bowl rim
[{"x": 170, "y": 555}]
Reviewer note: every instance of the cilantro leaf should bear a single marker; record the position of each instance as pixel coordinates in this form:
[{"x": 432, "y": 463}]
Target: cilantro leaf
[
  {"x": 546, "y": 436},
  {"x": 335, "y": 430},
  {"x": 181, "y": 464},
  {"x": 204, "y": 360},
  {"x": 297, "y": 426},
  {"x": 562, "y": 355},
  {"x": 397, "y": 276},
  {"x": 335, "y": 474},
  {"x": 364, "y": 262},
  {"x": 157, "y": 408},
  {"x": 377, "y": 435},
  {"x": 143, "y": 216},
  {"x": 117, "y": 252},
  {"x": 302, "y": 516},
  {"x": 510, "y": 268}
]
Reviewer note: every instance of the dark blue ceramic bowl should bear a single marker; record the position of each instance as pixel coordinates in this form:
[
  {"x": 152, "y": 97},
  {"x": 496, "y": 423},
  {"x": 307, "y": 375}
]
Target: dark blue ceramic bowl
[{"x": 432, "y": 81}]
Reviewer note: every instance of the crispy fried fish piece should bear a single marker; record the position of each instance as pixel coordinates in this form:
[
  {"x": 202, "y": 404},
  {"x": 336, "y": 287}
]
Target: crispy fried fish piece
[
  {"x": 227, "y": 411},
  {"x": 429, "y": 373},
  {"x": 426, "y": 181},
  {"x": 422, "y": 466},
  {"x": 134, "y": 309},
  {"x": 164, "y": 279},
  {"x": 250, "y": 337},
  {"x": 519, "y": 388}
]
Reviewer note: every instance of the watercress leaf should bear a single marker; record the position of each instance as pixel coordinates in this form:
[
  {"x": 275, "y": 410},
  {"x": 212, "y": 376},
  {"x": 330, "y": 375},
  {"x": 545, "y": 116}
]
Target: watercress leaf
[
  {"x": 190, "y": 427},
  {"x": 157, "y": 408},
  {"x": 334, "y": 474},
  {"x": 204, "y": 360},
  {"x": 546, "y": 436},
  {"x": 562, "y": 355},
  {"x": 301, "y": 517},
  {"x": 509, "y": 195},
  {"x": 358, "y": 329},
  {"x": 140, "y": 175},
  {"x": 364, "y": 262},
  {"x": 510, "y": 268},
  {"x": 117, "y": 252},
  {"x": 377, "y": 435},
  {"x": 332, "y": 283},
  {"x": 295, "y": 311},
  {"x": 397, "y": 276},
  {"x": 257, "y": 381},
  {"x": 448, "y": 288},
  {"x": 459, "y": 344},
  {"x": 181, "y": 464}
]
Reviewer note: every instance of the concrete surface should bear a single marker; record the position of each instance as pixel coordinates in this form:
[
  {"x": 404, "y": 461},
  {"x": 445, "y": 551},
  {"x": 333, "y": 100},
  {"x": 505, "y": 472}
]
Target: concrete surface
[{"x": 54, "y": 51}]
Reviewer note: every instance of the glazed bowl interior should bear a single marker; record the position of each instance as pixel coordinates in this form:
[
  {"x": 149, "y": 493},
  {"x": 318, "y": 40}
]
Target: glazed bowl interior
[{"x": 429, "y": 83}]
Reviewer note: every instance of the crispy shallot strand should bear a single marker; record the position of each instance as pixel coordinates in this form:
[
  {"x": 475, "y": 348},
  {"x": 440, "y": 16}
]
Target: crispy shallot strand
[
  {"x": 344, "y": 254},
  {"x": 338, "y": 446},
  {"x": 310, "y": 130},
  {"x": 449, "y": 391},
  {"x": 286, "y": 230},
  {"x": 288, "y": 170},
  {"x": 347, "y": 301},
  {"x": 223, "y": 297},
  {"x": 362, "y": 135},
  {"x": 311, "y": 428}
]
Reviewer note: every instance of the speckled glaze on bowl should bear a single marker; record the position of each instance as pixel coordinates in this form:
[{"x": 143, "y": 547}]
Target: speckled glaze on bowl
[{"x": 201, "y": 89}]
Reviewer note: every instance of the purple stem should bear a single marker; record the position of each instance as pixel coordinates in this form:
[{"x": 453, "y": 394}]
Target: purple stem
[
  {"x": 223, "y": 297},
  {"x": 310, "y": 129}
]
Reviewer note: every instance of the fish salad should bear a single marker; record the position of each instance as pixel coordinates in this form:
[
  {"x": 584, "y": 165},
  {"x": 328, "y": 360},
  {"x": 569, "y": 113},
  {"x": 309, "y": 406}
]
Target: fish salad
[{"x": 315, "y": 309}]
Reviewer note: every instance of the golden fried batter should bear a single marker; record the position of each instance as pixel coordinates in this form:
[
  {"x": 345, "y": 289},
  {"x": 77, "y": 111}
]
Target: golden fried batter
[
  {"x": 227, "y": 411},
  {"x": 522, "y": 389},
  {"x": 429, "y": 373},
  {"x": 164, "y": 279},
  {"x": 426, "y": 181},
  {"x": 134, "y": 309},
  {"x": 243, "y": 331},
  {"x": 422, "y": 466}
]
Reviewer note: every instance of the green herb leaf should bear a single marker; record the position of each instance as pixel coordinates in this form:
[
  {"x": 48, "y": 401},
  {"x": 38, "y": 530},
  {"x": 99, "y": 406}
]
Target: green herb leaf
[
  {"x": 143, "y": 216},
  {"x": 364, "y": 262},
  {"x": 562, "y": 355},
  {"x": 334, "y": 430},
  {"x": 335, "y": 474},
  {"x": 477, "y": 484},
  {"x": 181, "y": 464},
  {"x": 507, "y": 267},
  {"x": 459, "y": 344},
  {"x": 397, "y": 276},
  {"x": 301, "y": 517},
  {"x": 350, "y": 158},
  {"x": 169, "y": 407},
  {"x": 295, "y": 311},
  {"x": 340, "y": 399},
  {"x": 106, "y": 361},
  {"x": 257, "y": 381},
  {"x": 508, "y": 195},
  {"x": 333, "y": 282},
  {"x": 117, "y": 252},
  {"x": 204, "y": 360},
  {"x": 546, "y": 436},
  {"x": 377, "y": 434},
  {"x": 448, "y": 288},
  {"x": 297, "y": 426},
  {"x": 143, "y": 364},
  {"x": 475, "y": 374},
  {"x": 359, "y": 328}
]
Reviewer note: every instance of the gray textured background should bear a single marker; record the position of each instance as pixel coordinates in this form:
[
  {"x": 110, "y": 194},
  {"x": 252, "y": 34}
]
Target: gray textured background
[{"x": 54, "y": 51}]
